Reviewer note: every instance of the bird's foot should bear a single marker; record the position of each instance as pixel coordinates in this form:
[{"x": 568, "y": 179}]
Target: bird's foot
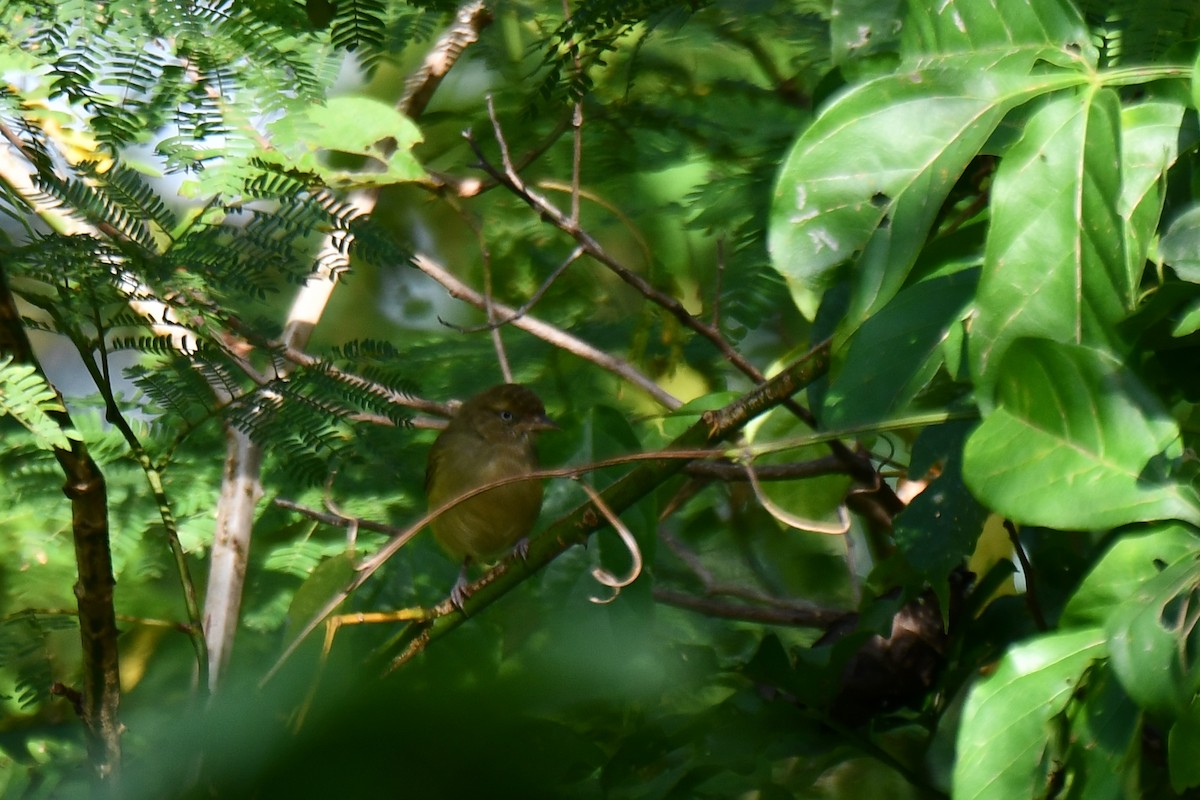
[
  {"x": 460, "y": 593},
  {"x": 521, "y": 548}
]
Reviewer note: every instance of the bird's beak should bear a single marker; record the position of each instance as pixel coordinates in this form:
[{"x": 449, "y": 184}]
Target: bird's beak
[{"x": 542, "y": 423}]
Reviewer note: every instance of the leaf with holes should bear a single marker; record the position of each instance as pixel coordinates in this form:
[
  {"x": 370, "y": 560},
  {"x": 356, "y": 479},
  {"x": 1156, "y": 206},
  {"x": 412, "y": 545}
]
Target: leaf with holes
[{"x": 1152, "y": 638}]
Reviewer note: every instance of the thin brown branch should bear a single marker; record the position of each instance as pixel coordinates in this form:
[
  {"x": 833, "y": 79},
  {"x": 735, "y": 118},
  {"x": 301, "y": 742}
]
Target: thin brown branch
[
  {"x": 799, "y": 616},
  {"x": 100, "y": 377},
  {"x": 548, "y": 333},
  {"x": 726, "y": 471},
  {"x": 528, "y": 305},
  {"x": 509, "y": 178},
  {"x": 1031, "y": 590}
]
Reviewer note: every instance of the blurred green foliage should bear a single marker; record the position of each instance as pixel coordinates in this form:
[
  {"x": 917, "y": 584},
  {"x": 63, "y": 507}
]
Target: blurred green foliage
[{"x": 968, "y": 201}]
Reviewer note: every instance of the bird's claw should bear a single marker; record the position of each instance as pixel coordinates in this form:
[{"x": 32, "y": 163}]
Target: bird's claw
[
  {"x": 521, "y": 548},
  {"x": 460, "y": 593}
]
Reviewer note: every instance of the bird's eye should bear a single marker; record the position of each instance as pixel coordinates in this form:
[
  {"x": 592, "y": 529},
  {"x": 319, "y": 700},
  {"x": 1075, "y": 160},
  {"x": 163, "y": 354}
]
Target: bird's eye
[{"x": 506, "y": 415}]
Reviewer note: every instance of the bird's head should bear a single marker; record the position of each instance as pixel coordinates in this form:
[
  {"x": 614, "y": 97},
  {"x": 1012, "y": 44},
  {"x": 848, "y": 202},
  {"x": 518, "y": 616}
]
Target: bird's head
[{"x": 504, "y": 413}]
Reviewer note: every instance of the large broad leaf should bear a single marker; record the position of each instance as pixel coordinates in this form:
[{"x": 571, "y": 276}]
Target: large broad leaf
[
  {"x": 1005, "y": 728},
  {"x": 1055, "y": 264},
  {"x": 1180, "y": 245},
  {"x": 1153, "y": 641},
  {"x": 911, "y": 330},
  {"x": 971, "y": 25},
  {"x": 1071, "y": 442},
  {"x": 869, "y": 175}
]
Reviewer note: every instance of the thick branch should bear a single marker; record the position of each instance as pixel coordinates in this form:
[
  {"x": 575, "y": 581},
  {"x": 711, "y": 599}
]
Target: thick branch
[{"x": 85, "y": 487}]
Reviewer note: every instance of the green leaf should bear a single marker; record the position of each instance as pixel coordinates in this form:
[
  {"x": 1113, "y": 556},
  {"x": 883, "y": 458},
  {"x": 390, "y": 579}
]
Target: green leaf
[
  {"x": 1055, "y": 264},
  {"x": 861, "y": 27},
  {"x": 1152, "y": 135},
  {"x": 911, "y": 330},
  {"x": 1070, "y": 443},
  {"x": 940, "y": 527},
  {"x": 1189, "y": 320},
  {"x": 1004, "y": 735},
  {"x": 1151, "y": 640},
  {"x": 1183, "y": 743},
  {"x": 1105, "y": 741},
  {"x": 1123, "y": 569},
  {"x": 1180, "y": 245},
  {"x": 968, "y": 25},
  {"x": 331, "y": 577},
  {"x": 869, "y": 175},
  {"x": 26, "y": 397},
  {"x": 356, "y": 126}
]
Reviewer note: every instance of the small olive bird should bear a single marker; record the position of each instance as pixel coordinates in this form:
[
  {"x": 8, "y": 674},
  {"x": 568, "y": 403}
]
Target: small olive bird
[{"x": 492, "y": 437}]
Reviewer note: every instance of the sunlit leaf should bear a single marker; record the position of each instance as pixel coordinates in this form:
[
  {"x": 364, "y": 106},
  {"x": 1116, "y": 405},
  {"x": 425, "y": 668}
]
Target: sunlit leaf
[
  {"x": 356, "y": 126},
  {"x": 963, "y": 25},
  {"x": 1004, "y": 734},
  {"x": 1153, "y": 134},
  {"x": 1071, "y": 442},
  {"x": 1055, "y": 263},
  {"x": 868, "y": 176}
]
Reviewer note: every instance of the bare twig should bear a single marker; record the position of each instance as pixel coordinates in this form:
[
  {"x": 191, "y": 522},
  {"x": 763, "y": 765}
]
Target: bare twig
[
  {"x": 528, "y": 304},
  {"x": 1031, "y": 589},
  {"x": 799, "y": 616},
  {"x": 726, "y": 471},
  {"x": 509, "y": 178},
  {"x": 548, "y": 333},
  {"x": 791, "y": 520}
]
